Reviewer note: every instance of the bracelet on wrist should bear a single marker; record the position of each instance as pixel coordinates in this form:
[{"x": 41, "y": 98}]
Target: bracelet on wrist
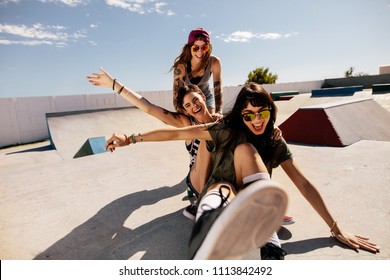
[
  {"x": 133, "y": 138},
  {"x": 113, "y": 84},
  {"x": 119, "y": 91}
]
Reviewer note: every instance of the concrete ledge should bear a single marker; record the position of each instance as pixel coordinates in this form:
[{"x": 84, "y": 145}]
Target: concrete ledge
[
  {"x": 380, "y": 88},
  {"x": 338, "y": 124},
  {"x": 283, "y": 95},
  {"x": 336, "y": 91}
]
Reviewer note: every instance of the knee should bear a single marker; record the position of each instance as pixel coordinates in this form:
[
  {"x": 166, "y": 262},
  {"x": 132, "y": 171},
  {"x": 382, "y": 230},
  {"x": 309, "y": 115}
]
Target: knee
[{"x": 245, "y": 149}]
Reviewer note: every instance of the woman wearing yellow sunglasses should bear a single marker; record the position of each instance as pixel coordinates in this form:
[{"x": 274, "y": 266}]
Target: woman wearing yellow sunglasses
[
  {"x": 195, "y": 65},
  {"x": 240, "y": 207}
]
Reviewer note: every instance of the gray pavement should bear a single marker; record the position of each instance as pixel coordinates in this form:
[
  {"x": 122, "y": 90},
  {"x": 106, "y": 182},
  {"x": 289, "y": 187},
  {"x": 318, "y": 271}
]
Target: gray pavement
[{"x": 128, "y": 204}]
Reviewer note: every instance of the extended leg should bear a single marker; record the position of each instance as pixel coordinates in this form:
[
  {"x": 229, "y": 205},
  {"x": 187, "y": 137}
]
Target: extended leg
[{"x": 227, "y": 225}]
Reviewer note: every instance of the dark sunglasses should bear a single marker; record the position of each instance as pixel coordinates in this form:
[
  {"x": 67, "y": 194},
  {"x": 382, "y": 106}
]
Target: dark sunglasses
[
  {"x": 251, "y": 116},
  {"x": 203, "y": 48}
]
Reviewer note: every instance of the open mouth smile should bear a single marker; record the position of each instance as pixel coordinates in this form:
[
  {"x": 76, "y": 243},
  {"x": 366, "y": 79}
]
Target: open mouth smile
[
  {"x": 258, "y": 127},
  {"x": 197, "y": 111}
]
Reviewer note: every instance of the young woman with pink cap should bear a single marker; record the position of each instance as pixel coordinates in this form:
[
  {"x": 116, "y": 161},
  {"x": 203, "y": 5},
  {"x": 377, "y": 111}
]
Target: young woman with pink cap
[{"x": 195, "y": 65}]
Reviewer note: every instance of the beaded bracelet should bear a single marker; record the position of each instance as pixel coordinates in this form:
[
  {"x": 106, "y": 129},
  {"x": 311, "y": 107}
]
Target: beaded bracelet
[
  {"x": 133, "y": 138},
  {"x": 113, "y": 84},
  {"x": 140, "y": 137}
]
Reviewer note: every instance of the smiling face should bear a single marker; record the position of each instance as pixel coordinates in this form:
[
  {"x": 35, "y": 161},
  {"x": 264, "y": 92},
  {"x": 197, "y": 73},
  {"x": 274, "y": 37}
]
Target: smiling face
[
  {"x": 194, "y": 104},
  {"x": 199, "y": 50},
  {"x": 261, "y": 118}
]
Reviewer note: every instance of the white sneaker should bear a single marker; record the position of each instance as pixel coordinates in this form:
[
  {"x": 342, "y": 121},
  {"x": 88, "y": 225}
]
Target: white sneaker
[{"x": 246, "y": 223}]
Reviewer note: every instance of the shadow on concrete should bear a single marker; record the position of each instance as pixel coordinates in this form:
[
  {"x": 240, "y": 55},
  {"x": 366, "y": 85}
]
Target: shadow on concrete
[
  {"x": 38, "y": 149},
  {"x": 104, "y": 236},
  {"x": 308, "y": 245}
]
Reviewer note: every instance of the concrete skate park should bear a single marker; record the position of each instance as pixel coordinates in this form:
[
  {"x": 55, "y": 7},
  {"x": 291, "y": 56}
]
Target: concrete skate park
[{"x": 128, "y": 204}]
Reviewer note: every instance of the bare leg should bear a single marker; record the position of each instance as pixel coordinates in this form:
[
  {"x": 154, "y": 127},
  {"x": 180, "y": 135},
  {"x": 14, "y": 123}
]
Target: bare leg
[{"x": 247, "y": 161}]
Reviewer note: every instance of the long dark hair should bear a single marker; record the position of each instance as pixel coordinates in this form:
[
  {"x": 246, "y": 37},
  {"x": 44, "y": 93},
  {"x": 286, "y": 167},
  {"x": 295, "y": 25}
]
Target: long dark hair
[{"x": 257, "y": 96}]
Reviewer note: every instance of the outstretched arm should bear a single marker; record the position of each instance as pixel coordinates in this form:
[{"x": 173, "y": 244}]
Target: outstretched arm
[
  {"x": 167, "y": 134},
  {"x": 314, "y": 198},
  {"x": 104, "y": 79}
]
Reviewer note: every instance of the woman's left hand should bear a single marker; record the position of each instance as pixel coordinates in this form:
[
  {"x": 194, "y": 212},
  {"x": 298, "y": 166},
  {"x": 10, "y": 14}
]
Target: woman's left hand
[
  {"x": 355, "y": 241},
  {"x": 217, "y": 116}
]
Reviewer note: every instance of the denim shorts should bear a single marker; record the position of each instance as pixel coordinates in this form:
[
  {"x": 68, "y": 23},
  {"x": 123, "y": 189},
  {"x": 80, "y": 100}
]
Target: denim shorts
[
  {"x": 190, "y": 188},
  {"x": 210, "y": 100}
]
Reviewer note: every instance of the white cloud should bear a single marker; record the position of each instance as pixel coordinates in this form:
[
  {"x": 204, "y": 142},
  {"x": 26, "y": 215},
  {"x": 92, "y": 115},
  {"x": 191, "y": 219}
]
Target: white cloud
[
  {"x": 6, "y": 2},
  {"x": 141, "y": 6},
  {"x": 246, "y": 36},
  {"x": 269, "y": 36},
  {"x": 39, "y": 34},
  {"x": 288, "y": 35},
  {"x": 240, "y": 36},
  {"x": 26, "y": 43},
  {"x": 71, "y": 3}
]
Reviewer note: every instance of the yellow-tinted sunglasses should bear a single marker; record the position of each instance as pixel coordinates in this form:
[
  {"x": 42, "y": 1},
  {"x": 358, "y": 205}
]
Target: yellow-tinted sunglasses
[{"x": 251, "y": 116}]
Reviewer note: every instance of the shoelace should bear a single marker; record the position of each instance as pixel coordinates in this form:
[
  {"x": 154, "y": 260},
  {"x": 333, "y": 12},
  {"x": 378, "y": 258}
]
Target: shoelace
[{"x": 221, "y": 195}]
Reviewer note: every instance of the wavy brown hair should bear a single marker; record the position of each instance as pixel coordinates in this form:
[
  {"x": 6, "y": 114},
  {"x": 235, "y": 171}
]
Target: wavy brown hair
[
  {"x": 185, "y": 58},
  {"x": 183, "y": 91}
]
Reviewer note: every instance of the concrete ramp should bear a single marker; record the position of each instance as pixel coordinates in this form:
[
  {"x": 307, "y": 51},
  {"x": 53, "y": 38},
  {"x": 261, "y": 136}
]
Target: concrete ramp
[
  {"x": 93, "y": 146},
  {"x": 70, "y": 131},
  {"x": 338, "y": 124}
]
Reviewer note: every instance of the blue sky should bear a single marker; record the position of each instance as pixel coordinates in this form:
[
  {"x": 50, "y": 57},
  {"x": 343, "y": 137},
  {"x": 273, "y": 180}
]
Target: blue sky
[{"x": 47, "y": 47}]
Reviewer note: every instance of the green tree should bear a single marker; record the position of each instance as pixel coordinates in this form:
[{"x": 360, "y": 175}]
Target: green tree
[
  {"x": 349, "y": 72},
  {"x": 261, "y": 76}
]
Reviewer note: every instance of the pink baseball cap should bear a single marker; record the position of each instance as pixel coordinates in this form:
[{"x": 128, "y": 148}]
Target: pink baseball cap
[{"x": 198, "y": 34}]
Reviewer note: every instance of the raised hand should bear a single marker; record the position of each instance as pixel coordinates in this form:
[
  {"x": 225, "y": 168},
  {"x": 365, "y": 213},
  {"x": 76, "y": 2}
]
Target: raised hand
[{"x": 102, "y": 79}]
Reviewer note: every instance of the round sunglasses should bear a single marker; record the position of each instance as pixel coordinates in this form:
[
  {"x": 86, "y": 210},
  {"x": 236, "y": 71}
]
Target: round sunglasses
[
  {"x": 251, "y": 116},
  {"x": 203, "y": 48}
]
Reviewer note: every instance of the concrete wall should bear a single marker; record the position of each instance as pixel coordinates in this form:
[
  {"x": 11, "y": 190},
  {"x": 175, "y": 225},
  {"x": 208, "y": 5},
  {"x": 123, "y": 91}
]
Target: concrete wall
[
  {"x": 23, "y": 120},
  {"x": 384, "y": 69},
  {"x": 365, "y": 81}
]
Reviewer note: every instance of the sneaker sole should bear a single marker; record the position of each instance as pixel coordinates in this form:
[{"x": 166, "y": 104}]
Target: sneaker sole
[
  {"x": 247, "y": 222},
  {"x": 286, "y": 223},
  {"x": 188, "y": 215}
]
